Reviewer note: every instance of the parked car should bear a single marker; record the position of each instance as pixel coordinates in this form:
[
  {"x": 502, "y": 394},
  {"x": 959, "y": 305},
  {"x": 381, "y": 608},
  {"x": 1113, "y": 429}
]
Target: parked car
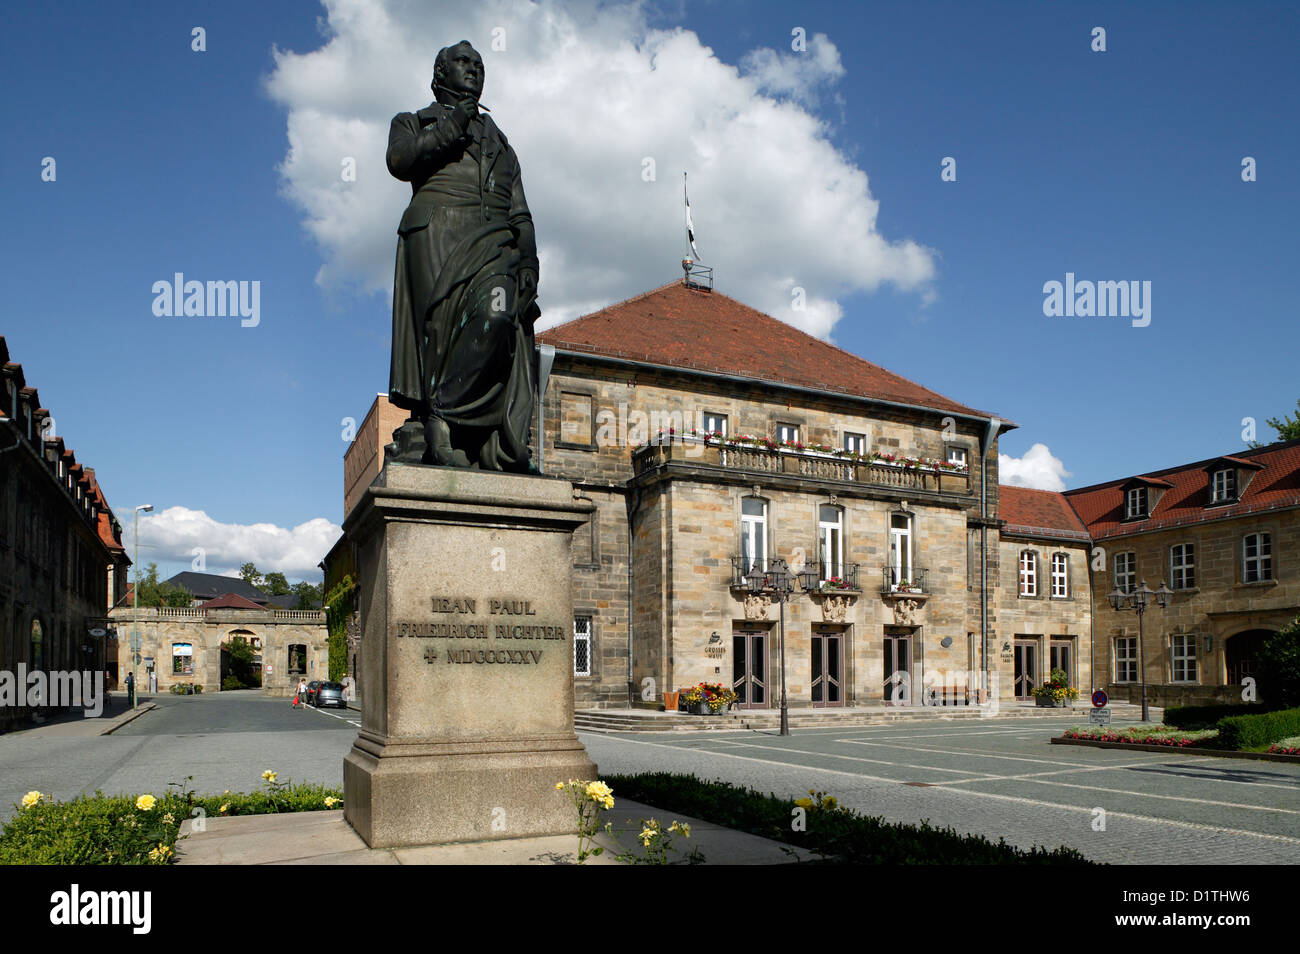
[
  {"x": 310, "y": 693},
  {"x": 328, "y": 694}
]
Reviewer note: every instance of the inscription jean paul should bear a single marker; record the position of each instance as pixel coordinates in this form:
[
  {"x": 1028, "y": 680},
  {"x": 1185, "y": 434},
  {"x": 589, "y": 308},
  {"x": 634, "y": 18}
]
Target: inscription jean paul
[{"x": 480, "y": 629}]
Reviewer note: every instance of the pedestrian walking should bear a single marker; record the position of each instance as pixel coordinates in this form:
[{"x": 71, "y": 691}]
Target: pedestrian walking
[{"x": 130, "y": 689}]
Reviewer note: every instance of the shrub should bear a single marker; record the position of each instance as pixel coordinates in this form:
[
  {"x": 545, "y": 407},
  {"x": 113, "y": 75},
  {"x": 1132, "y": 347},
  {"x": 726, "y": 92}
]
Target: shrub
[
  {"x": 832, "y": 831},
  {"x": 1206, "y": 717},
  {"x": 1279, "y": 668},
  {"x": 231, "y": 682},
  {"x": 1250, "y": 731}
]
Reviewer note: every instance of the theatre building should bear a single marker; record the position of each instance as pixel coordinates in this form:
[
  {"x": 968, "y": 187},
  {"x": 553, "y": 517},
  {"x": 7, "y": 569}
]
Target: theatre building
[
  {"x": 1223, "y": 535},
  {"x": 715, "y": 440}
]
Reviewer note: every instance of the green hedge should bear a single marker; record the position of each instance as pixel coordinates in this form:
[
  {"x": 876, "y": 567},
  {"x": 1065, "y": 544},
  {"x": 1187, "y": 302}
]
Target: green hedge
[
  {"x": 835, "y": 833},
  {"x": 1207, "y": 717},
  {"x": 1249, "y": 731}
]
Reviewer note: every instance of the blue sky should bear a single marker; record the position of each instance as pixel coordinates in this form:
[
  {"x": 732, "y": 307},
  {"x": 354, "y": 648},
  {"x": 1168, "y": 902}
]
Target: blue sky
[{"x": 1122, "y": 165}]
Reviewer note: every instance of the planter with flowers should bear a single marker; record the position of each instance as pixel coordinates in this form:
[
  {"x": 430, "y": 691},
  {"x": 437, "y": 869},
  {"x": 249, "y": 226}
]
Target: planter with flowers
[
  {"x": 1056, "y": 692},
  {"x": 707, "y": 698}
]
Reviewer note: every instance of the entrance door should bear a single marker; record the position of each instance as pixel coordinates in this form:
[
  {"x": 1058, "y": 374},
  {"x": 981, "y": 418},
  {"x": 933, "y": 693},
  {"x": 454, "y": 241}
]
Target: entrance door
[
  {"x": 1240, "y": 653},
  {"x": 898, "y": 670},
  {"x": 1062, "y": 657},
  {"x": 827, "y": 669},
  {"x": 1026, "y": 671},
  {"x": 749, "y": 669}
]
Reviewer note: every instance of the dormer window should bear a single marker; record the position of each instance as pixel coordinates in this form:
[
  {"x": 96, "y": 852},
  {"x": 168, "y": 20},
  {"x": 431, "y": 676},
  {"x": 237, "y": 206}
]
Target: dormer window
[
  {"x": 1223, "y": 486},
  {"x": 1137, "y": 503}
]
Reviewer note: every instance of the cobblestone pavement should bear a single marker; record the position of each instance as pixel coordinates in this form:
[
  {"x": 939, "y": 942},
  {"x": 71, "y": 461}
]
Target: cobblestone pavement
[{"x": 1004, "y": 779}]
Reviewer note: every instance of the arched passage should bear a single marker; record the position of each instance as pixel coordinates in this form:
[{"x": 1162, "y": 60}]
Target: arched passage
[{"x": 241, "y": 658}]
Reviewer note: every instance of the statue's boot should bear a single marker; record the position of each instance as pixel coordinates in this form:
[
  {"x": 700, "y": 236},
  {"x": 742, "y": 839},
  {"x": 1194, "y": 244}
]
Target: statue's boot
[{"x": 437, "y": 435}]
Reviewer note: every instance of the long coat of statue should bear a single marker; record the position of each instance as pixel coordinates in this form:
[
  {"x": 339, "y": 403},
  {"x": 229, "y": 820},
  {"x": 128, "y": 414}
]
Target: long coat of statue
[{"x": 460, "y": 351}]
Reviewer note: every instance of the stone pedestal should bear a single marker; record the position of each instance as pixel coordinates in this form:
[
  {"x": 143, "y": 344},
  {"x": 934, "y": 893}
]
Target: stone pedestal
[{"x": 466, "y": 657}]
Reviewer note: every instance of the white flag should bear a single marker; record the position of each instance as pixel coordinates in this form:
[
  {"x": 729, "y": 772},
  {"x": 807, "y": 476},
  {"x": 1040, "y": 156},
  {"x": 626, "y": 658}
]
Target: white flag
[{"x": 690, "y": 226}]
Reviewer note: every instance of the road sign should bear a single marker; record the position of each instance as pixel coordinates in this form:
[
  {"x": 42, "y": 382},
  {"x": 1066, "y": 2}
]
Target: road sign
[
  {"x": 1100, "y": 699},
  {"x": 1099, "y": 717}
]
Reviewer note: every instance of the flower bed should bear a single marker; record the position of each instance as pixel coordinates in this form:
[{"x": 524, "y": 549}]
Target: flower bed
[
  {"x": 1144, "y": 735},
  {"x": 1289, "y": 746}
]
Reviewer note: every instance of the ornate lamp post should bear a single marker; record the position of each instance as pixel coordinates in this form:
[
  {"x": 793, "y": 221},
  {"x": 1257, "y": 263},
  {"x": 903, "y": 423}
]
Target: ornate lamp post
[
  {"x": 778, "y": 583},
  {"x": 1138, "y": 600}
]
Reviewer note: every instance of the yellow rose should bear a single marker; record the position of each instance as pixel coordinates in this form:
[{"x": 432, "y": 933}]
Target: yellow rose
[
  {"x": 146, "y": 803},
  {"x": 559, "y": 786},
  {"x": 330, "y": 801},
  {"x": 225, "y": 808},
  {"x": 269, "y": 775},
  {"x": 804, "y": 802},
  {"x": 31, "y": 798}
]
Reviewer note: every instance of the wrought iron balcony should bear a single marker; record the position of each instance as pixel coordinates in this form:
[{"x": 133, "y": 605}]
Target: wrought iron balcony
[
  {"x": 903, "y": 580},
  {"x": 806, "y": 464},
  {"x": 830, "y": 576}
]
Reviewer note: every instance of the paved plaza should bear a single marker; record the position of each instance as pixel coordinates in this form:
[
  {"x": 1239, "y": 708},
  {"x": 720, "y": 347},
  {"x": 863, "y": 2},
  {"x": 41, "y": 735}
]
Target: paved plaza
[{"x": 997, "y": 777}]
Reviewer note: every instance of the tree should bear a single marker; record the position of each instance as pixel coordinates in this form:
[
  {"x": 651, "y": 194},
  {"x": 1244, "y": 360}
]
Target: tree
[
  {"x": 1288, "y": 427},
  {"x": 309, "y": 594},
  {"x": 239, "y": 661},
  {"x": 1279, "y": 668},
  {"x": 160, "y": 593},
  {"x": 250, "y": 575},
  {"x": 275, "y": 584}
]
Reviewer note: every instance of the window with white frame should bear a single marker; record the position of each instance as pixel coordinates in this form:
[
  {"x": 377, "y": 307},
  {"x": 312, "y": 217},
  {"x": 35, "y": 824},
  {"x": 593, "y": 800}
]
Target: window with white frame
[
  {"x": 753, "y": 533},
  {"x": 830, "y": 540},
  {"x": 1126, "y": 572},
  {"x": 582, "y": 645},
  {"x": 956, "y": 454},
  {"x": 855, "y": 443},
  {"x": 1126, "y": 659},
  {"x": 787, "y": 432},
  {"x": 715, "y": 423},
  {"x": 1060, "y": 576},
  {"x": 900, "y": 548},
  {"x": 1256, "y": 557},
  {"x": 1223, "y": 485},
  {"x": 1182, "y": 566},
  {"x": 1182, "y": 657},
  {"x": 1137, "y": 502},
  {"x": 1028, "y": 573}
]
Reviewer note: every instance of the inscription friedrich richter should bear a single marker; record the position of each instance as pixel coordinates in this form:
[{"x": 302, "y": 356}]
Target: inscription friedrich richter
[{"x": 480, "y": 629}]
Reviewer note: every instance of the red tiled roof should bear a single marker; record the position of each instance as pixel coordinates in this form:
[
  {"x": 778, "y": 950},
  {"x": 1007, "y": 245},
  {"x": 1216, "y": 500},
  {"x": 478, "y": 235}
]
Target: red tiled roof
[
  {"x": 230, "y": 601},
  {"x": 1038, "y": 512},
  {"x": 679, "y": 327},
  {"x": 1275, "y": 485}
]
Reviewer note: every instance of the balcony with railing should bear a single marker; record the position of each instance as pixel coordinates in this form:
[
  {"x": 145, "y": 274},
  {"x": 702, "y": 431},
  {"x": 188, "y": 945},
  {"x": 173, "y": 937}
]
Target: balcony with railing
[
  {"x": 831, "y": 578},
  {"x": 903, "y": 581},
  {"x": 905, "y": 474}
]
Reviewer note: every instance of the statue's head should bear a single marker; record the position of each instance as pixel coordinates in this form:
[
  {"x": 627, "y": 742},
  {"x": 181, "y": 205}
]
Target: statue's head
[{"x": 458, "y": 71}]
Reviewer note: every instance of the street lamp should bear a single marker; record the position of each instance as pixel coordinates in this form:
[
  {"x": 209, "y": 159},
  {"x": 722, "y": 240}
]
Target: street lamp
[
  {"x": 135, "y": 608},
  {"x": 1138, "y": 600},
  {"x": 778, "y": 583}
]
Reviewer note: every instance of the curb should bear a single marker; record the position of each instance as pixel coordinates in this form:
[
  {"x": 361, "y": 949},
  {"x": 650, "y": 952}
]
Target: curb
[
  {"x": 144, "y": 707},
  {"x": 1189, "y": 750}
]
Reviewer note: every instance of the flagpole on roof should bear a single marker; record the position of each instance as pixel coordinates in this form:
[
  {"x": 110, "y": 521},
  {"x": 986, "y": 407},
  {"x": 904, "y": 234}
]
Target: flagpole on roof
[{"x": 697, "y": 275}]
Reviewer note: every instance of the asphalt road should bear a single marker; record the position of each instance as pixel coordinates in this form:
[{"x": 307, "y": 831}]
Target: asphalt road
[
  {"x": 225, "y": 740},
  {"x": 1003, "y": 779}
]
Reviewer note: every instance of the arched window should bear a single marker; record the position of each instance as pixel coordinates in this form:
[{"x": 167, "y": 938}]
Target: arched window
[
  {"x": 1028, "y": 573},
  {"x": 1060, "y": 576}
]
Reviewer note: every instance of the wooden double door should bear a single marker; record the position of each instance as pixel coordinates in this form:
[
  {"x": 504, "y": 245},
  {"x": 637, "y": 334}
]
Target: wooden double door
[{"x": 827, "y": 656}]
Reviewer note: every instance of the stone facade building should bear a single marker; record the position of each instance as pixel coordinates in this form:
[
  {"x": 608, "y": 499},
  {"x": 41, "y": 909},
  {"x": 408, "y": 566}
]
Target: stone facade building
[
  {"x": 61, "y": 558},
  {"x": 1223, "y": 534},
  {"x": 183, "y": 645}
]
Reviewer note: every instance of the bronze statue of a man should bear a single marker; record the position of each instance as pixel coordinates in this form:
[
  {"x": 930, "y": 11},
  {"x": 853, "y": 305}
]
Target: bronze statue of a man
[{"x": 465, "y": 286}]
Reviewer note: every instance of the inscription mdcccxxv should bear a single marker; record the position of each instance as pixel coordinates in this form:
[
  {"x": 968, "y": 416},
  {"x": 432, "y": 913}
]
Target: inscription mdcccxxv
[{"x": 480, "y": 629}]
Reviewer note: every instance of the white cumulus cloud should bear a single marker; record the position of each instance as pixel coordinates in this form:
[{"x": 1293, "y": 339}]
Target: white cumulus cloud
[
  {"x": 174, "y": 534},
  {"x": 1037, "y": 469},
  {"x": 594, "y": 101}
]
